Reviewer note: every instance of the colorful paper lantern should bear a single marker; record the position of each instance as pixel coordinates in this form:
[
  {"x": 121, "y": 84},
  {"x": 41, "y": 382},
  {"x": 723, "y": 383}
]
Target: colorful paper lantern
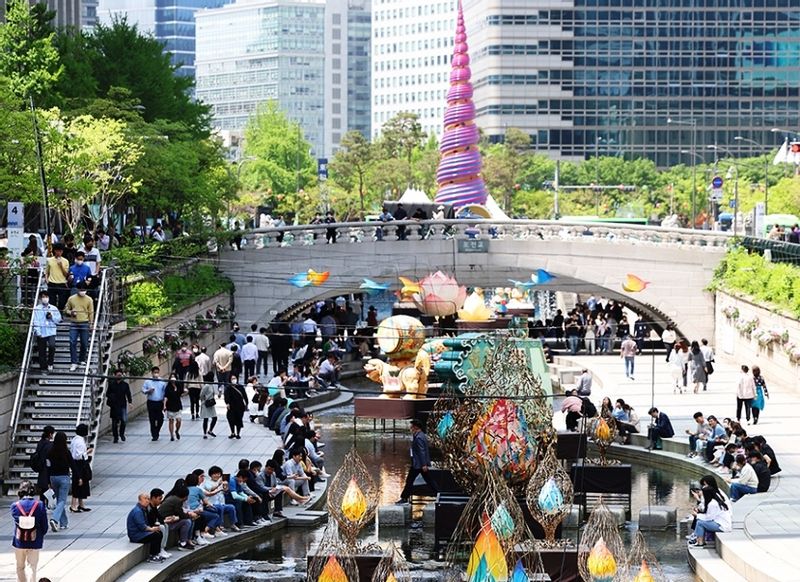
[
  {"x": 500, "y": 437},
  {"x": 601, "y": 563},
  {"x": 488, "y": 550},
  {"x": 634, "y": 284},
  {"x": 445, "y": 424},
  {"x": 502, "y": 523},
  {"x": 550, "y": 498},
  {"x": 644, "y": 574},
  {"x": 354, "y": 503},
  {"x": 519, "y": 575},
  {"x": 602, "y": 432},
  {"x": 332, "y": 572},
  {"x": 440, "y": 295},
  {"x": 475, "y": 309}
]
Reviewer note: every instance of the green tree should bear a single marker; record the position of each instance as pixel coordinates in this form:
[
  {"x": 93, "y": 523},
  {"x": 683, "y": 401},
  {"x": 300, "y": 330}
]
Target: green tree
[
  {"x": 18, "y": 167},
  {"x": 400, "y": 136},
  {"x": 425, "y": 163},
  {"x": 283, "y": 163},
  {"x": 351, "y": 164},
  {"x": 28, "y": 57}
]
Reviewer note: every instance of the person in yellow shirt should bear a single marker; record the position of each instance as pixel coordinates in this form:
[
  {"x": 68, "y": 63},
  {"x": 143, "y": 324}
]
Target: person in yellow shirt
[
  {"x": 57, "y": 271},
  {"x": 80, "y": 309}
]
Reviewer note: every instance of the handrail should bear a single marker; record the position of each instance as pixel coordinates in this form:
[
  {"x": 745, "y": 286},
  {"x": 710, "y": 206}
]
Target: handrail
[
  {"x": 92, "y": 341},
  {"x": 26, "y": 358}
]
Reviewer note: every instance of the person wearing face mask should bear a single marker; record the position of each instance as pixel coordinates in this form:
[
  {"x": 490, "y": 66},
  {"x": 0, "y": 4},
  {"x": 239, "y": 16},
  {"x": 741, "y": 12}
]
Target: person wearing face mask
[
  {"x": 80, "y": 309},
  {"x": 155, "y": 388},
  {"x": 173, "y": 406},
  {"x": 45, "y": 324},
  {"x": 80, "y": 272},
  {"x": 236, "y": 401}
]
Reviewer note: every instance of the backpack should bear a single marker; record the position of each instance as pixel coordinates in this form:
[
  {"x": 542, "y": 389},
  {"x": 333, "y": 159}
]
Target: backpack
[
  {"x": 36, "y": 461},
  {"x": 589, "y": 410},
  {"x": 26, "y": 523}
]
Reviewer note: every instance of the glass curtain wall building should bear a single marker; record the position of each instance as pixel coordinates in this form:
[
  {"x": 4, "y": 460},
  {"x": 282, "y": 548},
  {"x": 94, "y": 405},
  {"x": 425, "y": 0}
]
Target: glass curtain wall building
[
  {"x": 589, "y": 77},
  {"x": 359, "y": 36}
]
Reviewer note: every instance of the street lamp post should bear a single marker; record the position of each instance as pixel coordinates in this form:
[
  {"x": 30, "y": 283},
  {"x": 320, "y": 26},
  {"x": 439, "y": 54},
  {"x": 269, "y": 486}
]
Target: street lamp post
[
  {"x": 693, "y": 124},
  {"x": 597, "y": 141},
  {"x": 766, "y": 167},
  {"x": 735, "y": 168}
]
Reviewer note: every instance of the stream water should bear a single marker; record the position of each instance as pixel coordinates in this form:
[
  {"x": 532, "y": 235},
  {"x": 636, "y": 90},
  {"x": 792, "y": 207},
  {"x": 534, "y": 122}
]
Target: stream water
[{"x": 281, "y": 556}]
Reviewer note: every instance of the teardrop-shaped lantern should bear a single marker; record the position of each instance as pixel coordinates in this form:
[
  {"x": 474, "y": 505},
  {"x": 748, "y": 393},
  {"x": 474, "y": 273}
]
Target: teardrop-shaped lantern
[
  {"x": 602, "y": 432},
  {"x": 519, "y": 574},
  {"x": 550, "y": 499},
  {"x": 332, "y": 572},
  {"x": 644, "y": 574},
  {"x": 601, "y": 563},
  {"x": 502, "y": 523},
  {"x": 445, "y": 424},
  {"x": 354, "y": 503}
]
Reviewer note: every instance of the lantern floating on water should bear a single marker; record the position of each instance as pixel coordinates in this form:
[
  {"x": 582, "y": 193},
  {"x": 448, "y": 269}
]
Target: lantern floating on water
[
  {"x": 602, "y": 432},
  {"x": 550, "y": 497},
  {"x": 644, "y": 574},
  {"x": 354, "y": 503},
  {"x": 502, "y": 523},
  {"x": 332, "y": 572},
  {"x": 601, "y": 563}
]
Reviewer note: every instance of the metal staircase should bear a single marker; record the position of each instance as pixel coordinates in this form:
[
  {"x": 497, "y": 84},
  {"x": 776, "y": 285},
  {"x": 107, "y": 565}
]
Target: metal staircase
[{"x": 61, "y": 398}]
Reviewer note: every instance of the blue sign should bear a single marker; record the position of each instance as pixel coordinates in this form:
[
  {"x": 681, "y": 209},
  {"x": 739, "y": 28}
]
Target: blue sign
[
  {"x": 322, "y": 169},
  {"x": 732, "y": 203},
  {"x": 717, "y": 182}
]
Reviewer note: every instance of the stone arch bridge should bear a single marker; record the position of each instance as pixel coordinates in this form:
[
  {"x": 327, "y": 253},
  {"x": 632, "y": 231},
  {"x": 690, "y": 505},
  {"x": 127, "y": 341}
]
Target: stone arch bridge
[{"x": 584, "y": 257}]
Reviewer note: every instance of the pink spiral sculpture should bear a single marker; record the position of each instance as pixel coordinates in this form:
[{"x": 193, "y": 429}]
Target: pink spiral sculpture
[{"x": 459, "y": 172}]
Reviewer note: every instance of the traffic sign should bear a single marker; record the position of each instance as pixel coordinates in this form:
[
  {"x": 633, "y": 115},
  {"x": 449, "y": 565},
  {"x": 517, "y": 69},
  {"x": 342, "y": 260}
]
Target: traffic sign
[
  {"x": 716, "y": 183},
  {"x": 732, "y": 203},
  {"x": 716, "y": 195},
  {"x": 322, "y": 169}
]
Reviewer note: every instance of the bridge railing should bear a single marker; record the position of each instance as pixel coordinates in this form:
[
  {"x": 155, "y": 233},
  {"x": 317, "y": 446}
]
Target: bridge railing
[{"x": 357, "y": 232}]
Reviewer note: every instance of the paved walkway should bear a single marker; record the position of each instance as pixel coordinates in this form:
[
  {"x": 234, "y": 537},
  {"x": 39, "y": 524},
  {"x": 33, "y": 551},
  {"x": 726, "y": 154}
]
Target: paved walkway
[
  {"x": 96, "y": 540},
  {"x": 771, "y": 523}
]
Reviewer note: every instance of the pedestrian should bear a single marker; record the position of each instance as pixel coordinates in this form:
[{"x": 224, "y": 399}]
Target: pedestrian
[
  {"x": 236, "y": 402},
  {"x": 668, "y": 338},
  {"x": 589, "y": 337},
  {"x": 154, "y": 388},
  {"x": 173, "y": 406},
  {"x": 676, "y": 369},
  {"x": 208, "y": 409},
  {"x": 193, "y": 386},
  {"x": 420, "y": 461},
  {"x": 572, "y": 405},
  {"x": 118, "y": 396},
  {"x": 660, "y": 428},
  {"x": 697, "y": 365},
  {"x": 30, "y": 527},
  {"x": 249, "y": 355},
  {"x": 81, "y": 469},
  {"x": 46, "y": 318},
  {"x": 761, "y": 393},
  {"x": 140, "y": 532},
  {"x": 205, "y": 367},
  {"x": 92, "y": 257},
  {"x": 708, "y": 355},
  {"x": 223, "y": 359},
  {"x": 59, "y": 468},
  {"x": 80, "y": 308},
  {"x": 329, "y": 371},
  {"x": 39, "y": 461},
  {"x": 57, "y": 274},
  {"x": 330, "y": 233},
  {"x": 262, "y": 346},
  {"x": 384, "y": 217},
  {"x": 746, "y": 482},
  {"x": 745, "y": 393},
  {"x": 182, "y": 364},
  {"x": 79, "y": 272},
  {"x": 627, "y": 351}
]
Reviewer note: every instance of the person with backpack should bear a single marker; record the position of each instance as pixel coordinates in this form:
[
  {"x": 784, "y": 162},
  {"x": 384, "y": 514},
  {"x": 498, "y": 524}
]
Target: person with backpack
[
  {"x": 30, "y": 527},
  {"x": 39, "y": 461}
]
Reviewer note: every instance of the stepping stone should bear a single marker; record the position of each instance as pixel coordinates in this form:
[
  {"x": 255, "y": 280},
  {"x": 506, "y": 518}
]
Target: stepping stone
[
  {"x": 657, "y": 517},
  {"x": 393, "y": 515}
]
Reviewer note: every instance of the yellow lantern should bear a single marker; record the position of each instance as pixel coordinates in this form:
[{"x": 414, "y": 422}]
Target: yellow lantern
[
  {"x": 644, "y": 574},
  {"x": 601, "y": 563},
  {"x": 332, "y": 572},
  {"x": 603, "y": 431},
  {"x": 354, "y": 503}
]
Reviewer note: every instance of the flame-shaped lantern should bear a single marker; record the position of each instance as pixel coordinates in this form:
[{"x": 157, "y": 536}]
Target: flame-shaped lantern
[
  {"x": 391, "y": 578},
  {"x": 644, "y": 574},
  {"x": 602, "y": 432},
  {"x": 354, "y": 503},
  {"x": 502, "y": 523},
  {"x": 550, "y": 498},
  {"x": 332, "y": 572},
  {"x": 488, "y": 550},
  {"x": 519, "y": 574},
  {"x": 445, "y": 424},
  {"x": 601, "y": 563}
]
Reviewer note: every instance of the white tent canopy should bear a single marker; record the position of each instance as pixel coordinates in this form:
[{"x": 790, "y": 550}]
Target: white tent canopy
[
  {"x": 412, "y": 197},
  {"x": 495, "y": 210}
]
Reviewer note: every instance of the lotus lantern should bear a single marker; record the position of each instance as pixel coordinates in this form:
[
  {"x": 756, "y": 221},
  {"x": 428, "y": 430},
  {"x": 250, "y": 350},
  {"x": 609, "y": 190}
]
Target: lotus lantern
[{"x": 440, "y": 295}]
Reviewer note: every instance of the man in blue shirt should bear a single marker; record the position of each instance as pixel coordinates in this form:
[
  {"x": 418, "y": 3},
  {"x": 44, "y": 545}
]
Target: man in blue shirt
[
  {"x": 155, "y": 388},
  {"x": 45, "y": 323},
  {"x": 140, "y": 532},
  {"x": 80, "y": 272},
  {"x": 716, "y": 437}
]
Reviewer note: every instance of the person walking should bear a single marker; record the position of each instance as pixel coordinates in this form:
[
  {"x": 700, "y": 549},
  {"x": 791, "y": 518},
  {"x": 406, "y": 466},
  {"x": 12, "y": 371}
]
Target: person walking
[
  {"x": 583, "y": 387},
  {"x": 668, "y": 338},
  {"x": 118, "y": 396},
  {"x": 46, "y": 318},
  {"x": 208, "y": 409},
  {"x": 261, "y": 341},
  {"x": 249, "y": 354},
  {"x": 627, "y": 351},
  {"x": 57, "y": 274},
  {"x": 30, "y": 526},
  {"x": 154, "y": 388},
  {"x": 205, "y": 367},
  {"x": 59, "y": 467},
  {"x": 81, "y": 469},
  {"x": 697, "y": 365},
  {"x": 708, "y": 355},
  {"x": 420, "y": 461},
  {"x": 676, "y": 369},
  {"x": 223, "y": 360},
  {"x": 761, "y": 392},
  {"x": 80, "y": 308},
  {"x": 39, "y": 461},
  {"x": 745, "y": 393},
  {"x": 236, "y": 401},
  {"x": 173, "y": 406}
]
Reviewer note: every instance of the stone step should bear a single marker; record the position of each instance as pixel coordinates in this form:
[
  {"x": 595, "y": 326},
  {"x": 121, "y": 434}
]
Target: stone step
[
  {"x": 308, "y": 518},
  {"x": 709, "y": 567},
  {"x": 736, "y": 549}
]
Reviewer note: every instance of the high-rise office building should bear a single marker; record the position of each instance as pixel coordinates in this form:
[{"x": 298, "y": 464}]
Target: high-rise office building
[
  {"x": 89, "y": 14},
  {"x": 310, "y": 56},
  {"x": 68, "y": 12},
  {"x": 603, "y": 77},
  {"x": 169, "y": 21}
]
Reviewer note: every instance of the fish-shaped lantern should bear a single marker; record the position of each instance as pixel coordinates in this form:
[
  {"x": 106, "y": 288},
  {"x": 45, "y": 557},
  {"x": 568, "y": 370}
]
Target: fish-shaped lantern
[{"x": 634, "y": 284}]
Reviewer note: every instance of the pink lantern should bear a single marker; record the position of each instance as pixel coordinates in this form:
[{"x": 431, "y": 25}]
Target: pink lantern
[{"x": 441, "y": 295}]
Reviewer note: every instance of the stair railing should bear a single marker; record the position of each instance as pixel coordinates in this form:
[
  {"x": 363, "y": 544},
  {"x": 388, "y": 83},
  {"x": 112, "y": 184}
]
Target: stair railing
[
  {"x": 100, "y": 320},
  {"x": 26, "y": 361}
]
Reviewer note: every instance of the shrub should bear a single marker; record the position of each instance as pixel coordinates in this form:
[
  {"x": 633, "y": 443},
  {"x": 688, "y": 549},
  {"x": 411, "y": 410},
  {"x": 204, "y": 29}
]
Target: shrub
[
  {"x": 12, "y": 344},
  {"x": 147, "y": 302}
]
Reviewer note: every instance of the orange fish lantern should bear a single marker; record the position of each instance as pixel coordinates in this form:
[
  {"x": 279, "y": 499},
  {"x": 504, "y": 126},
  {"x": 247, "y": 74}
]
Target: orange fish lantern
[
  {"x": 354, "y": 503},
  {"x": 644, "y": 574},
  {"x": 332, "y": 572},
  {"x": 318, "y": 279},
  {"x": 601, "y": 563},
  {"x": 634, "y": 284},
  {"x": 602, "y": 432}
]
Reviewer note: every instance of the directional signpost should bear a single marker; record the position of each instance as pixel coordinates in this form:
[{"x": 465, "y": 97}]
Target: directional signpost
[{"x": 716, "y": 189}]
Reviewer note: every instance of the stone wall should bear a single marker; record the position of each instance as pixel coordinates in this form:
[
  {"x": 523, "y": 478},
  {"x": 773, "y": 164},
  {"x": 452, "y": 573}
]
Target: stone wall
[
  {"x": 131, "y": 340},
  {"x": 8, "y": 388},
  {"x": 773, "y": 359}
]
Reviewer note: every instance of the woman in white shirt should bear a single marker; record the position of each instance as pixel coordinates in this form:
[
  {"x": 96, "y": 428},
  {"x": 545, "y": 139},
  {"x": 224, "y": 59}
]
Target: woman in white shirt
[
  {"x": 82, "y": 470},
  {"x": 715, "y": 513},
  {"x": 676, "y": 369}
]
